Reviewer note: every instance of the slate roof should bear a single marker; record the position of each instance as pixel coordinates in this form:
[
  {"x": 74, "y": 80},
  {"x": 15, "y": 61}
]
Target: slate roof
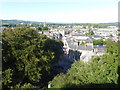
[
  {"x": 97, "y": 36},
  {"x": 100, "y": 48},
  {"x": 80, "y": 47},
  {"x": 88, "y": 41}
]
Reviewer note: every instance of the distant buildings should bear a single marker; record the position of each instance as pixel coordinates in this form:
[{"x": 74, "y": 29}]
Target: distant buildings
[
  {"x": 77, "y": 45},
  {"x": 106, "y": 32}
]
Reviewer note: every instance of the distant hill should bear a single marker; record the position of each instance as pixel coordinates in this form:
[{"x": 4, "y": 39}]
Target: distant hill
[
  {"x": 36, "y": 22},
  {"x": 20, "y": 21}
]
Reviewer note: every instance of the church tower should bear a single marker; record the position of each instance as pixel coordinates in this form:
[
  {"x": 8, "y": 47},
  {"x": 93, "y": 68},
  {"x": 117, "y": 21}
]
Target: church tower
[{"x": 44, "y": 24}]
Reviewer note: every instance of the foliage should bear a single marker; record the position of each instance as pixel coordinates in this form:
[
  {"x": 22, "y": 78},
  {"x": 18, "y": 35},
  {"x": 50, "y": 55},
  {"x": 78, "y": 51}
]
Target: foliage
[
  {"x": 78, "y": 30},
  {"x": 26, "y": 56},
  {"x": 112, "y": 47},
  {"x": 61, "y": 80},
  {"x": 45, "y": 28},
  {"x": 83, "y": 43},
  {"x": 90, "y": 32},
  {"x": 100, "y": 71},
  {"x": 118, "y": 34},
  {"x": 111, "y": 35},
  {"x": 28, "y": 85},
  {"x": 50, "y": 43},
  {"x": 7, "y": 76},
  {"x": 99, "y": 42},
  {"x": 39, "y": 28}
]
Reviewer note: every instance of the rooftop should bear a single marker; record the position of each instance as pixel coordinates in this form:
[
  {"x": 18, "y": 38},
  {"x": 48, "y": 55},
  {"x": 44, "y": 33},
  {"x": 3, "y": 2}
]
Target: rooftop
[{"x": 80, "y": 47}]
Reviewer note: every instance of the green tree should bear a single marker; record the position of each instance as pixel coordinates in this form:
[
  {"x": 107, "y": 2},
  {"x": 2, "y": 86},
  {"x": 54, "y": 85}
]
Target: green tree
[
  {"x": 111, "y": 35},
  {"x": 99, "y": 72},
  {"x": 45, "y": 28},
  {"x": 25, "y": 57},
  {"x": 99, "y": 42},
  {"x": 83, "y": 43},
  {"x": 39, "y": 28},
  {"x": 90, "y": 32}
]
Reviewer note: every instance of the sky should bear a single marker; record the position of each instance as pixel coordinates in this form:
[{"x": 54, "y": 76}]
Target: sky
[{"x": 66, "y": 11}]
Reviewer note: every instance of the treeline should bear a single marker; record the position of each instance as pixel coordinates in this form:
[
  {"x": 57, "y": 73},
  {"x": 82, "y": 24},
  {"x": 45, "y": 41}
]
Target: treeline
[
  {"x": 21, "y": 23},
  {"x": 39, "y": 27},
  {"x": 27, "y": 57},
  {"x": 100, "y": 72}
]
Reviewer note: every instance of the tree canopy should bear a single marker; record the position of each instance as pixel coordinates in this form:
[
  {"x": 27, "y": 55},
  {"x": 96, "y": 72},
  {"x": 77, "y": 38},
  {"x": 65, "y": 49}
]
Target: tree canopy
[
  {"x": 26, "y": 56},
  {"x": 90, "y": 32},
  {"x": 99, "y": 42},
  {"x": 101, "y": 71},
  {"x": 45, "y": 28}
]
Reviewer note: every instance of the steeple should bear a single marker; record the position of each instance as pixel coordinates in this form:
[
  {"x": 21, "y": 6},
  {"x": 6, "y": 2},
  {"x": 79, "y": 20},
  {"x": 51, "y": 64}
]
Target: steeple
[{"x": 44, "y": 24}]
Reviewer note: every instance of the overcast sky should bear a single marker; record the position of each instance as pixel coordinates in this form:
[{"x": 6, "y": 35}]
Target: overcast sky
[{"x": 72, "y": 11}]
